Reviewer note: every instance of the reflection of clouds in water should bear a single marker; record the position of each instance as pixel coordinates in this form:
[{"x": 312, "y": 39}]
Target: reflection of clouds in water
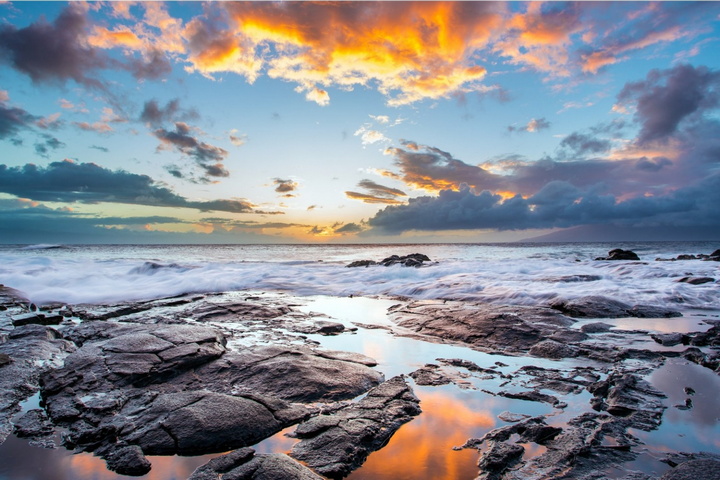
[
  {"x": 674, "y": 376},
  {"x": 277, "y": 443},
  {"x": 20, "y": 460},
  {"x": 425, "y": 443}
]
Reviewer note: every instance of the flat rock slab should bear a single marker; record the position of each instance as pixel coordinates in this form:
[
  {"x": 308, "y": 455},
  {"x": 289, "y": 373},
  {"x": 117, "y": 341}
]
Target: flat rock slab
[
  {"x": 334, "y": 445},
  {"x": 705, "y": 469},
  {"x": 244, "y": 464},
  {"x": 596, "y": 306},
  {"x": 491, "y": 328}
]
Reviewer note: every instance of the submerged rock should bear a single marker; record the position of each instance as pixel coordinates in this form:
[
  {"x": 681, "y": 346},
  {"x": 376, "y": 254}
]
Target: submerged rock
[
  {"x": 412, "y": 260},
  {"x": 705, "y": 469},
  {"x": 336, "y": 444},
  {"x": 361, "y": 263},
  {"x": 696, "y": 280}
]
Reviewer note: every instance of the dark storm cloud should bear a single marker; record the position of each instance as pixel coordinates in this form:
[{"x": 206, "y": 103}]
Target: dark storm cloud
[
  {"x": 208, "y": 157},
  {"x": 668, "y": 97},
  {"x": 558, "y": 204},
  {"x": 53, "y": 52},
  {"x": 68, "y": 181}
]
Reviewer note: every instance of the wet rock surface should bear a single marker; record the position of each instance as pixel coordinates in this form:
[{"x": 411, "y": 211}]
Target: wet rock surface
[
  {"x": 336, "y": 444},
  {"x": 412, "y": 260},
  {"x": 164, "y": 381},
  {"x": 620, "y": 254},
  {"x": 244, "y": 464},
  {"x": 199, "y": 374}
]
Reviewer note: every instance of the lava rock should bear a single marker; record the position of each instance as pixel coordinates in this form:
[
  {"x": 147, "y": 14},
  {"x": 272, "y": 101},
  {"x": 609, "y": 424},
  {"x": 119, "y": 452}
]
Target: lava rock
[
  {"x": 596, "y": 306},
  {"x": 498, "y": 458},
  {"x": 620, "y": 254},
  {"x": 670, "y": 339},
  {"x": 336, "y": 444},
  {"x": 552, "y": 349},
  {"x": 243, "y": 464},
  {"x": 706, "y": 469},
  {"x": 361, "y": 263},
  {"x": 596, "y": 327},
  {"x": 36, "y": 318},
  {"x": 128, "y": 461},
  {"x": 696, "y": 280},
  {"x": 5, "y": 359}
]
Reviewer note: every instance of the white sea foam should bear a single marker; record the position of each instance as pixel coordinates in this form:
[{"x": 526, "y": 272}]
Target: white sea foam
[{"x": 526, "y": 275}]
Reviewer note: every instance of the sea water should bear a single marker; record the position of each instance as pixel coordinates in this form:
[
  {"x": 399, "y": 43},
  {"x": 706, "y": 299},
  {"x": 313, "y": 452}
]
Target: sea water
[{"x": 521, "y": 274}]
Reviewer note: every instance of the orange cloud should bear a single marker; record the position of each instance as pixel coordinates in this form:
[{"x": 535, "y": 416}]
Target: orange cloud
[{"x": 409, "y": 51}]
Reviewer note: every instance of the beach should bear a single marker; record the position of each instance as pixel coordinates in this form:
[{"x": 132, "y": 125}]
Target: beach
[{"x": 492, "y": 361}]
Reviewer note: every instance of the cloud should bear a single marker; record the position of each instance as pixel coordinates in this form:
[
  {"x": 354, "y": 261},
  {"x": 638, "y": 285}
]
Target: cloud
[
  {"x": 237, "y": 140},
  {"x": 349, "y": 228},
  {"x": 13, "y": 120},
  {"x": 534, "y": 125},
  {"x": 48, "y": 143},
  {"x": 582, "y": 144},
  {"x": 155, "y": 116},
  {"x": 208, "y": 157},
  {"x": 285, "y": 186},
  {"x": 54, "y": 52},
  {"x": 98, "y": 147},
  {"x": 558, "y": 204},
  {"x": 377, "y": 193},
  {"x": 68, "y": 181},
  {"x": 97, "y": 127},
  {"x": 369, "y": 136},
  {"x": 666, "y": 98},
  {"x": 380, "y": 45}
]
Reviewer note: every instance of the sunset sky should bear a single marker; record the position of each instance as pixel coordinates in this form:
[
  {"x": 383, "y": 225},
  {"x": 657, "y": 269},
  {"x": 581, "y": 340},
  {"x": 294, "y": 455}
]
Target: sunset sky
[{"x": 229, "y": 122}]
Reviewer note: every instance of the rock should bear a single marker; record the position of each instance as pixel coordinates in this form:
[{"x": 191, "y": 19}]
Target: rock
[
  {"x": 512, "y": 417},
  {"x": 5, "y": 359},
  {"x": 128, "y": 461},
  {"x": 490, "y": 328},
  {"x": 34, "y": 423},
  {"x": 670, "y": 339},
  {"x": 705, "y": 469},
  {"x": 412, "y": 260},
  {"x": 596, "y": 306},
  {"x": 326, "y": 328},
  {"x": 243, "y": 464},
  {"x": 620, "y": 254},
  {"x": 716, "y": 253},
  {"x": 336, "y": 444},
  {"x": 36, "y": 318},
  {"x": 294, "y": 374},
  {"x": 361, "y": 263},
  {"x": 696, "y": 280},
  {"x": 498, "y": 458},
  {"x": 532, "y": 396},
  {"x": 596, "y": 327},
  {"x": 553, "y": 349},
  {"x": 430, "y": 375}
]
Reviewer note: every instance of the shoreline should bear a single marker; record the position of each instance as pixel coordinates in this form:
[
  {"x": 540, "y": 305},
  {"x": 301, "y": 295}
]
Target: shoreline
[{"x": 546, "y": 370}]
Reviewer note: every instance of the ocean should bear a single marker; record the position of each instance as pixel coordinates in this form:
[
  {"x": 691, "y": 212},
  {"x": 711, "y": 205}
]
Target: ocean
[{"x": 521, "y": 274}]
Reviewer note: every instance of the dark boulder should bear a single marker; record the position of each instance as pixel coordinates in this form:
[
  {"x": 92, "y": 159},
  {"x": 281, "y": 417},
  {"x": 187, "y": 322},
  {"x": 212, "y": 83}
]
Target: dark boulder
[
  {"x": 596, "y": 306},
  {"x": 552, "y": 349},
  {"x": 361, "y": 263},
  {"x": 412, "y": 260},
  {"x": 696, "y": 280},
  {"x": 5, "y": 359},
  {"x": 499, "y": 457},
  {"x": 36, "y": 318},
  {"x": 128, "y": 461},
  {"x": 620, "y": 254}
]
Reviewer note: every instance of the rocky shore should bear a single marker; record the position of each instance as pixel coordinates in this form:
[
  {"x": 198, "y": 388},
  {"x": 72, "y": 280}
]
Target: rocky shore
[{"x": 208, "y": 374}]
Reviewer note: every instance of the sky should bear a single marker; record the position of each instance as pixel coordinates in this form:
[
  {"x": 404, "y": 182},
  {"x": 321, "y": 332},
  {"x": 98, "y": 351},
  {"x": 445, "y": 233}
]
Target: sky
[{"x": 356, "y": 122}]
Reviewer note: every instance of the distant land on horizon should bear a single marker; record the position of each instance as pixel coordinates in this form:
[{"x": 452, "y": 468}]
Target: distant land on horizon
[{"x": 616, "y": 233}]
